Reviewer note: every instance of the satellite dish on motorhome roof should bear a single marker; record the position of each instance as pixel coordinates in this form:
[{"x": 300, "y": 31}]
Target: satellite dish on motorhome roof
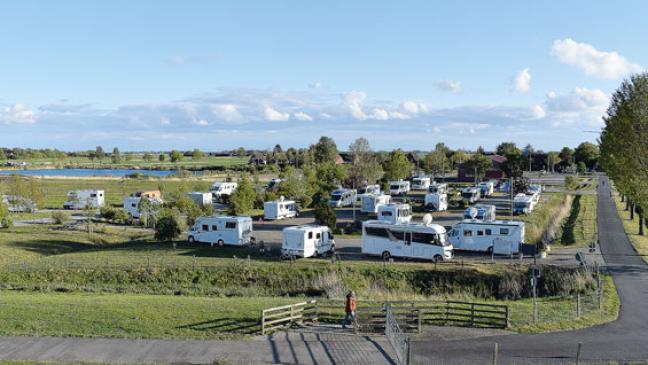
[
  {"x": 281, "y": 198},
  {"x": 473, "y": 212},
  {"x": 427, "y": 219}
]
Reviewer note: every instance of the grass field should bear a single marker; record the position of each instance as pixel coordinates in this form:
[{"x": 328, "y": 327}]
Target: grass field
[
  {"x": 639, "y": 242},
  {"x": 579, "y": 229},
  {"x": 137, "y": 161}
]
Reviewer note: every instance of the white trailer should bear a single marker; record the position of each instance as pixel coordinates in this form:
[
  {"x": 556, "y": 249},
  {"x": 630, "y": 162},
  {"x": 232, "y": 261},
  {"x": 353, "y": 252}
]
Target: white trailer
[
  {"x": 132, "y": 204},
  {"x": 482, "y": 212},
  {"x": 280, "y": 209},
  {"x": 420, "y": 183},
  {"x": 499, "y": 237},
  {"x": 471, "y": 194},
  {"x": 436, "y": 202},
  {"x": 438, "y": 188},
  {"x": 221, "y": 189},
  {"x": 307, "y": 241},
  {"x": 82, "y": 199},
  {"x": 420, "y": 241},
  {"x": 222, "y": 230},
  {"x": 396, "y": 213},
  {"x": 342, "y": 198},
  {"x": 399, "y": 187},
  {"x": 369, "y": 190},
  {"x": 369, "y": 204},
  {"x": 486, "y": 188},
  {"x": 523, "y": 204},
  {"x": 18, "y": 204},
  {"x": 201, "y": 199}
]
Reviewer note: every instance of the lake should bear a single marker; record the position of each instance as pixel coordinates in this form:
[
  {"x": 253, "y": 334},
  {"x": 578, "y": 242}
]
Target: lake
[{"x": 87, "y": 172}]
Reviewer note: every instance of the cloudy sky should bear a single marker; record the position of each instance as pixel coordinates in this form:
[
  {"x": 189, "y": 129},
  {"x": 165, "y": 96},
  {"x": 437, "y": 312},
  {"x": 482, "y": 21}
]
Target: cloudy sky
[{"x": 217, "y": 75}]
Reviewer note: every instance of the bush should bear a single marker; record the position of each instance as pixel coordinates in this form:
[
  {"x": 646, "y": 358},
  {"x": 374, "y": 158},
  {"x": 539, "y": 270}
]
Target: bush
[
  {"x": 325, "y": 215},
  {"x": 60, "y": 217},
  {"x": 108, "y": 213},
  {"x": 6, "y": 222},
  {"x": 169, "y": 226}
]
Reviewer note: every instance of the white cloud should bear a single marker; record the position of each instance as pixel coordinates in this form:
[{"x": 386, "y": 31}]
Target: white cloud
[
  {"x": 226, "y": 112},
  {"x": 274, "y": 115},
  {"x": 165, "y": 120},
  {"x": 605, "y": 65},
  {"x": 302, "y": 116},
  {"x": 522, "y": 80},
  {"x": 538, "y": 112},
  {"x": 201, "y": 122},
  {"x": 452, "y": 86},
  {"x": 380, "y": 114},
  {"x": 354, "y": 101},
  {"x": 399, "y": 115},
  {"x": 412, "y": 107},
  {"x": 18, "y": 113},
  {"x": 581, "y": 106},
  {"x": 315, "y": 85}
]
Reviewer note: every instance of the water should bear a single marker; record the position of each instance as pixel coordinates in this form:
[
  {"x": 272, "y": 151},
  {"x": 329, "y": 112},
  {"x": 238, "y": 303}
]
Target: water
[{"x": 87, "y": 172}]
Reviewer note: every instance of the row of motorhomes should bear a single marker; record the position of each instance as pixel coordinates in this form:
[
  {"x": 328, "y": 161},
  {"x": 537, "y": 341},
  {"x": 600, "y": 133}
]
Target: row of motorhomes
[{"x": 525, "y": 203}]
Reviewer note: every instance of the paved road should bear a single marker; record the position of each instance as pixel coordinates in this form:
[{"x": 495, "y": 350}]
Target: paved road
[{"x": 623, "y": 340}]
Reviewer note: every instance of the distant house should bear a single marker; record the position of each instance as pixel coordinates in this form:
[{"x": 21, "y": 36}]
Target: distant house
[
  {"x": 346, "y": 157},
  {"x": 415, "y": 158},
  {"x": 258, "y": 160},
  {"x": 495, "y": 172},
  {"x": 339, "y": 160}
]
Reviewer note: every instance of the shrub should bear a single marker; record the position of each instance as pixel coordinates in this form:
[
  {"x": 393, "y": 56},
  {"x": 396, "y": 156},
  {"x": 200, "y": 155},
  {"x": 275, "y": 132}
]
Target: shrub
[
  {"x": 325, "y": 215},
  {"x": 6, "y": 222},
  {"x": 60, "y": 217},
  {"x": 108, "y": 213},
  {"x": 168, "y": 227}
]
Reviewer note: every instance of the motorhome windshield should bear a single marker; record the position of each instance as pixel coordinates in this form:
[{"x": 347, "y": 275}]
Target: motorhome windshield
[
  {"x": 336, "y": 197},
  {"x": 404, "y": 212},
  {"x": 395, "y": 187},
  {"x": 467, "y": 194},
  {"x": 521, "y": 204}
]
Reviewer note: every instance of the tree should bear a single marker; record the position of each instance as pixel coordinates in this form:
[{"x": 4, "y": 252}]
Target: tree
[
  {"x": 325, "y": 150},
  {"x": 184, "y": 205},
  {"x": 480, "y": 150},
  {"x": 175, "y": 156},
  {"x": 147, "y": 157},
  {"x": 458, "y": 156},
  {"x": 397, "y": 166},
  {"x": 553, "y": 159},
  {"x": 169, "y": 226},
  {"x": 582, "y": 168},
  {"x": 240, "y": 151},
  {"x": 436, "y": 162},
  {"x": 5, "y": 221},
  {"x": 242, "y": 200},
  {"x": 324, "y": 213},
  {"x": 365, "y": 168},
  {"x": 507, "y": 148},
  {"x": 161, "y": 157},
  {"x": 588, "y": 153},
  {"x": 116, "y": 156},
  {"x": 27, "y": 190},
  {"x": 197, "y": 154},
  {"x": 479, "y": 164},
  {"x": 566, "y": 155}
]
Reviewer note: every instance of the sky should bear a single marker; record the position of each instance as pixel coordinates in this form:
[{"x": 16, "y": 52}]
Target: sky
[{"x": 216, "y": 75}]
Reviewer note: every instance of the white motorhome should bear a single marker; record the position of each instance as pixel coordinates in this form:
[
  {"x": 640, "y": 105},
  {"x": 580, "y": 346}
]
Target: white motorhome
[
  {"x": 222, "y": 230},
  {"x": 342, "y": 198},
  {"x": 220, "y": 189},
  {"x": 369, "y": 204},
  {"x": 438, "y": 188},
  {"x": 523, "y": 204},
  {"x": 482, "y": 212},
  {"x": 82, "y": 199},
  {"x": 201, "y": 199},
  {"x": 486, "y": 188},
  {"x": 369, "y": 190},
  {"x": 18, "y": 204},
  {"x": 472, "y": 194},
  {"x": 436, "y": 202},
  {"x": 499, "y": 237},
  {"x": 420, "y": 183},
  {"x": 307, "y": 241},
  {"x": 422, "y": 241},
  {"x": 395, "y": 213},
  {"x": 132, "y": 203},
  {"x": 399, "y": 187},
  {"x": 280, "y": 209}
]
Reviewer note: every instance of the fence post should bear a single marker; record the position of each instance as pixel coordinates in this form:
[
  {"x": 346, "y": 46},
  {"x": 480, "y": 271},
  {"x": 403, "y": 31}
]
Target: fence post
[
  {"x": 578, "y": 306},
  {"x": 420, "y": 321},
  {"x": 472, "y": 314},
  {"x": 600, "y": 297},
  {"x": 262, "y": 322},
  {"x": 193, "y": 264},
  {"x": 148, "y": 263},
  {"x": 578, "y": 353},
  {"x": 408, "y": 356},
  {"x": 495, "y": 353}
]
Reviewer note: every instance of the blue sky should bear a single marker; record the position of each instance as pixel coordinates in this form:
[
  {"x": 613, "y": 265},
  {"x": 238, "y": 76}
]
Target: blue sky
[{"x": 216, "y": 75}]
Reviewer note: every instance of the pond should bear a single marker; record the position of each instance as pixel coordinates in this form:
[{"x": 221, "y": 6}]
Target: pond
[{"x": 87, "y": 172}]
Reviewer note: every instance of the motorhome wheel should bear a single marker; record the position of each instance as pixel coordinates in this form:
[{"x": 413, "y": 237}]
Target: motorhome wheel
[
  {"x": 437, "y": 258},
  {"x": 191, "y": 239},
  {"x": 386, "y": 255},
  {"x": 489, "y": 250},
  {"x": 221, "y": 242}
]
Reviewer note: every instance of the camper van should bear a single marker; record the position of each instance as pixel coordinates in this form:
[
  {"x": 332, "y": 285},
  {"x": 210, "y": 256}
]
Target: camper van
[
  {"x": 201, "y": 199},
  {"x": 523, "y": 204},
  {"x": 498, "y": 237},
  {"x": 420, "y": 183},
  {"x": 307, "y": 241},
  {"x": 82, "y": 199},
  {"x": 280, "y": 209},
  {"x": 369, "y": 190},
  {"x": 421, "y": 241},
  {"x": 486, "y": 188},
  {"x": 220, "y": 189},
  {"x": 471, "y": 194},
  {"x": 132, "y": 203},
  {"x": 18, "y": 204},
  {"x": 222, "y": 230},
  {"x": 482, "y": 212},
  {"x": 399, "y": 187},
  {"x": 342, "y": 198},
  {"x": 436, "y": 202},
  {"x": 395, "y": 213},
  {"x": 438, "y": 188},
  {"x": 369, "y": 204}
]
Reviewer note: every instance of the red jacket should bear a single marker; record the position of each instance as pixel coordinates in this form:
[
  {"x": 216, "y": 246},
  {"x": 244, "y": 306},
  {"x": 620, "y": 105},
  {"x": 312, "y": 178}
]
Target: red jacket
[{"x": 350, "y": 304}]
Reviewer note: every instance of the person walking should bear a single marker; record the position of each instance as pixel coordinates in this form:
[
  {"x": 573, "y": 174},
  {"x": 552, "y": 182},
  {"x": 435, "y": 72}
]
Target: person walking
[{"x": 350, "y": 309}]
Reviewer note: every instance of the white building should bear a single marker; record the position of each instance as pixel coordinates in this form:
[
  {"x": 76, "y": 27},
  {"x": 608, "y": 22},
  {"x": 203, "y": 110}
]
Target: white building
[
  {"x": 82, "y": 199},
  {"x": 280, "y": 209},
  {"x": 307, "y": 241},
  {"x": 499, "y": 237},
  {"x": 396, "y": 213},
  {"x": 222, "y": 230},
  {"x": 421, "y": 241},
  {"x": 369, "y": 204}
]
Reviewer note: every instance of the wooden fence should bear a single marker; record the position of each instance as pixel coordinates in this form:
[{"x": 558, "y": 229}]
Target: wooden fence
[{"x": 277, "y": 317}]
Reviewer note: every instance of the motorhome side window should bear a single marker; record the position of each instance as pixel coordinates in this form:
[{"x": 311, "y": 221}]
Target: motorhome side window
[
  {"x": 93, "y": 195},
  {"x": 386, "y": 213},
  {"x": 133, "y": 205},
  {"x": 398, "y": 235},
  {"x": 318, "y": 235},
  {"x": 488, "y": 232},
  {"x": 427, "y": 238},
  {"x": 504, "y": 231},
  {"x": 377, "y": 232},
  {"x": 230, "y": 225},
  {"x": 205, "y": 227},
  {"x": 480, "y": 233},
  {"x": 467, "y": 233},
  {"x": 214, "y": 227},
  {"x": 310, "y": 235}
]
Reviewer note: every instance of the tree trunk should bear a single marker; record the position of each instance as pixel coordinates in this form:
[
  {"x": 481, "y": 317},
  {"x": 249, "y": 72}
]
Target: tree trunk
[
  {"x": 641, "y": 222},
  {"x": 627, "y": 204},
  {"x": 622, "y": 198},
  {"x": 632, "y": 211}
]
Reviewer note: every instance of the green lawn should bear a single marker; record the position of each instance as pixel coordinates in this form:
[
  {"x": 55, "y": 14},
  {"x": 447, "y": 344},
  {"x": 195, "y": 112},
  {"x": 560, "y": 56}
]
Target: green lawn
[
  {"x": 137, "y": 161},
  {"x": 579, "y": 229},
  {"x": 631, "y": 227}
]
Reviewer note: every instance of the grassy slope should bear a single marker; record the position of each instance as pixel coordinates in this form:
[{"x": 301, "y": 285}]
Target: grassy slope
[
  {"x": 579, "y": 229},
  {"x": 632, "y": 229}
]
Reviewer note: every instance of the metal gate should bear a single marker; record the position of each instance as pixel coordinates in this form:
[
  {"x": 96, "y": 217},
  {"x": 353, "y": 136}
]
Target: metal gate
[{"x": 397, "y": 338}]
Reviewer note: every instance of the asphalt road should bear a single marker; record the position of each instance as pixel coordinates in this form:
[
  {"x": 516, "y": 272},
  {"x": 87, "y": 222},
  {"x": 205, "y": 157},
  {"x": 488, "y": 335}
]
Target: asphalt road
[{"x": 624, "y": 340}]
